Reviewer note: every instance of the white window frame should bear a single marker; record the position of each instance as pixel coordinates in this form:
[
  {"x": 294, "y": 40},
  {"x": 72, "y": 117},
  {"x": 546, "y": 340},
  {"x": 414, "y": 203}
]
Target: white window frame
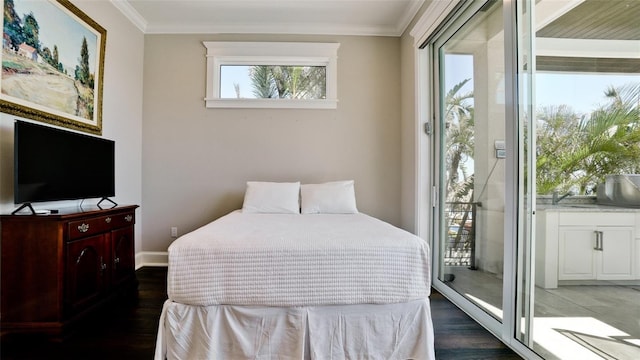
[{"x": 220, "y": 53}]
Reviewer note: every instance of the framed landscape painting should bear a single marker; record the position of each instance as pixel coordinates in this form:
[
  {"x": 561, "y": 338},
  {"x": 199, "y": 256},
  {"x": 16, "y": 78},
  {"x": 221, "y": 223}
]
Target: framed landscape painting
[{"x": 52, "y": 64}]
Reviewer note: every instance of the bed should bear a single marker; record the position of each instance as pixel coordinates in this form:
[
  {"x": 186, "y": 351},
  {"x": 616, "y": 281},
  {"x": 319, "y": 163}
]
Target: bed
[{"x": 297, "y": 274}]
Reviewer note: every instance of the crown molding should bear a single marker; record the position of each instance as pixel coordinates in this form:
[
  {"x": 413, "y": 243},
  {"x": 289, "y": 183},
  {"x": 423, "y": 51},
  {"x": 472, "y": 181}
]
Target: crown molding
[
  {"x": 130, "y": 13},
  {"x": 391, "y": 30}
]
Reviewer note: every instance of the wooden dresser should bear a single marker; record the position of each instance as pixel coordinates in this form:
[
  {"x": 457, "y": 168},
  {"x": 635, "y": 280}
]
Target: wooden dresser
[{"x": 58, "y": 268}]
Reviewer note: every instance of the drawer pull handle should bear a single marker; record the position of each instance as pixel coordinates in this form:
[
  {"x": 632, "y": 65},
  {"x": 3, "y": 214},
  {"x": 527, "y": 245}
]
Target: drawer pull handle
[
  {"x": 83, "y": 228},
  {"x": 108, "y": 220},
  {"x": 128, "y": 218},
  {"x": 116, "y": 260}
]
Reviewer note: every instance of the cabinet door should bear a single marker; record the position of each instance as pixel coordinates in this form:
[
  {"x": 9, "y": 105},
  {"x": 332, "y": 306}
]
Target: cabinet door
[
  {"x": 123, "y": 261},
  {"x": 576, "y": 255},
  {"x": 85, "y": 273},
  {"x": 616, "y": 253}
]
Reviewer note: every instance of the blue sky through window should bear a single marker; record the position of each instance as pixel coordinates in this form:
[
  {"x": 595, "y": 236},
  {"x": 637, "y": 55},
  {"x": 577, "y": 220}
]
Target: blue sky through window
[
  {"x": 584, "y": 92},
  {"x": 235, "y": 74}
]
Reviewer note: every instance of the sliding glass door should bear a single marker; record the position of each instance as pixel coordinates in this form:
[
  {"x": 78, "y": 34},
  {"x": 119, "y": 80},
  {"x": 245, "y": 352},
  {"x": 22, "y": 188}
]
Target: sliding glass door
[
  {"x": 471, "y": 154},
  {"x": 536, "y": 172},
  {"x": 587, "y": 136}
]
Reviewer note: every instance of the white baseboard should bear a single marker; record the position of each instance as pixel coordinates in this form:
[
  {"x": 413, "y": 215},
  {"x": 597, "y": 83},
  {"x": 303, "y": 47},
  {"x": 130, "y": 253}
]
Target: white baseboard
[{"x": 152, "y": 258}]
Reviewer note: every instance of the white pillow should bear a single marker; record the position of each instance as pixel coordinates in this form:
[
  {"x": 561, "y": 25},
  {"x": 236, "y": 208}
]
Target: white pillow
[
  {"x": 272, "y": 197},
  {"x": 337, "y": 197}
]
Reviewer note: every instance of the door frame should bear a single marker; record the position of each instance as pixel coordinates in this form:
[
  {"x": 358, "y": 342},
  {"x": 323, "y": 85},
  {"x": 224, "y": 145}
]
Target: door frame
[{"x": 427, "y": 192}]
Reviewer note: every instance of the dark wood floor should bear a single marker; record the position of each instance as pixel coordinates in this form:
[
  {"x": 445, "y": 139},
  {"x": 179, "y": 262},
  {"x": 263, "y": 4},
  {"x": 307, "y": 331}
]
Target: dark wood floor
[
  {"x": 458, "y": 337},
  {"x": 128, "y": 331}
]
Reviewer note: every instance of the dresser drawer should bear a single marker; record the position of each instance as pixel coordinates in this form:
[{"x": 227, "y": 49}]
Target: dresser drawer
[
  {"x": 87, "y": 227},
  {"x": 122, "y": 220},
  {"x": 91, "y": 226}
]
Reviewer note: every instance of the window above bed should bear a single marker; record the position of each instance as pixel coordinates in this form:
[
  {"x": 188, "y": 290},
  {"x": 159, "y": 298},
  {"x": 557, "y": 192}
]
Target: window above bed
[{"x": 271, "y": 75}]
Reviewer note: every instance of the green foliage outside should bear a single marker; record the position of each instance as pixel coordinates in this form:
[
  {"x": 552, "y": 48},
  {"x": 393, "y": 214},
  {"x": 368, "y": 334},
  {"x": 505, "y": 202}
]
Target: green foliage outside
[
  {"x": 573, "y": 153},
  {"x": 288, "y": 82},
  {"x": 459, "y": 147}
]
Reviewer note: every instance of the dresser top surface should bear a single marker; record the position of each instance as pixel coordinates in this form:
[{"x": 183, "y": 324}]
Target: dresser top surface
[{"x": 67, "y": 213}]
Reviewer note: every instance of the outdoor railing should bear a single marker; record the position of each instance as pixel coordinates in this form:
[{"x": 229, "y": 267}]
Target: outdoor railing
[{"x": 460, "y": 244}]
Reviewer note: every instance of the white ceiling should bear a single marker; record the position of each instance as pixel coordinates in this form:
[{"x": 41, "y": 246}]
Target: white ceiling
[{"x": 327, "y": 17}]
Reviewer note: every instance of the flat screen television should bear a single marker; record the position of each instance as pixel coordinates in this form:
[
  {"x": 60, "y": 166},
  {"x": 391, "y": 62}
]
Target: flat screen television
[{"x": 52, "y": 164}]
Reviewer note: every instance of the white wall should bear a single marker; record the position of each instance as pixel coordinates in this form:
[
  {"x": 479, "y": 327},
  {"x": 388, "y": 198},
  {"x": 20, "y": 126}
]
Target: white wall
[
  {"x": 187, "y": 165},
  {"x": 121, "y": 113},
  {"x": 196, "y": 160}
]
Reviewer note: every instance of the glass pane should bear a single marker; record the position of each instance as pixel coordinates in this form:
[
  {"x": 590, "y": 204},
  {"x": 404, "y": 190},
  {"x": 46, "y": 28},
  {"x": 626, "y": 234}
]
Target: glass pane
[
  {"x": 273, "y": 82},
  {"x": 587, "y": 129},
  {"x": 472, "y": 130},
  {"x": 525, "y": 288}
]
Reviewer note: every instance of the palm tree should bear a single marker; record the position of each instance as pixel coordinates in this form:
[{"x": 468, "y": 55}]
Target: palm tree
[
  {"x": 288, "y": 82},
  {"x": 576, "y": 153},
  {"x": 557, "y": 137},
  {"x": 262, "y": 82},
  {"x": 459, "y": 123},
  {"x": 459, "y": 146}
]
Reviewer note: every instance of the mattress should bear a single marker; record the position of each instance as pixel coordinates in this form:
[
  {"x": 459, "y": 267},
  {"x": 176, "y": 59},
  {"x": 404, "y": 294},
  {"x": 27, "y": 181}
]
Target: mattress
[{"x": 298, "y": 260}]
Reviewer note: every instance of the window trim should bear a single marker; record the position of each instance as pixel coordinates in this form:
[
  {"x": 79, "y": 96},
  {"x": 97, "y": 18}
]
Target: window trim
[{"x": 221, "y": 53}]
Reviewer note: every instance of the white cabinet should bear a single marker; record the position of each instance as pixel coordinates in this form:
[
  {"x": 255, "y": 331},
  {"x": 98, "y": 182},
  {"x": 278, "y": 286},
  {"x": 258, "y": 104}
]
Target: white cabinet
[
  {"x": 595, "y": 253},
  {"x": 586, "y": 244}
]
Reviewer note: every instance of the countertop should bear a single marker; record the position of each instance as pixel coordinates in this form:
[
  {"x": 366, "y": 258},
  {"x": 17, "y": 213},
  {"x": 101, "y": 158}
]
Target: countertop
[
  {"x": 583, "y": 203},
  {"x": 568, "y": 207}
]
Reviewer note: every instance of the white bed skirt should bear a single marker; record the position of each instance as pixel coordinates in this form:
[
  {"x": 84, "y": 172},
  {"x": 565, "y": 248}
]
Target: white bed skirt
[{"x": 367, "y": 331}]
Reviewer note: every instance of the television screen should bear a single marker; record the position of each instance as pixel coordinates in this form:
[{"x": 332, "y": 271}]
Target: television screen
[{"x": 53, "y": 164}]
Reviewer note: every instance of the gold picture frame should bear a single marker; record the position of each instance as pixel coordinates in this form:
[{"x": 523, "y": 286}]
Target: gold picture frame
[{"x": 52, "y": 64}]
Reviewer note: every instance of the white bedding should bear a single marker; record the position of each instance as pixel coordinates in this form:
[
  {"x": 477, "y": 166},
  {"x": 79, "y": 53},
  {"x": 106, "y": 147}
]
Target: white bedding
[
  {"x": 373, "y": 332},
  {"x": 298, "y": 260}
]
